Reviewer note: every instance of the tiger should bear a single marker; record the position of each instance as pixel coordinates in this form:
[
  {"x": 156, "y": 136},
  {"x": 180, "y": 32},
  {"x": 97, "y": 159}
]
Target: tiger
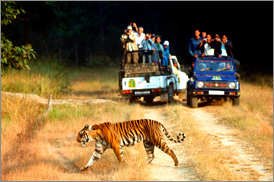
[{"x": 127, "y": 133}]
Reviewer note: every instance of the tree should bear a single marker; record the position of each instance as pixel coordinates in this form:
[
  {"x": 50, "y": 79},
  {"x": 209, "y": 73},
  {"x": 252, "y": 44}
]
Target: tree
[{"x": 13, "y": 57}]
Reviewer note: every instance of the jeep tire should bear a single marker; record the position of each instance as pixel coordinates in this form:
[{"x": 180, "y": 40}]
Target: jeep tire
[
  {"x": 170, "y": 94},
  {"x": 187, "y": 98},
  {"x": 193, "y": 101},
  {"x": 236, "y": 101}
]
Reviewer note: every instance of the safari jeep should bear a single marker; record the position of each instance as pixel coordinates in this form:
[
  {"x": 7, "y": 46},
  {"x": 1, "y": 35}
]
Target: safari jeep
[
  {"x": 149, "y": 80},
  {"x": 213, "y": 78}
]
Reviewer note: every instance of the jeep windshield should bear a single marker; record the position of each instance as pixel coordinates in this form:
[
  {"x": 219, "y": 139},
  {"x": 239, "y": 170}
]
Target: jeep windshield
[{"x": 214, "y": 65}]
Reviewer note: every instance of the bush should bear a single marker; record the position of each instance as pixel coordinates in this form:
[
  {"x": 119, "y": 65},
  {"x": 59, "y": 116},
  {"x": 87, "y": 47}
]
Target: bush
[{"x": 15, "y": 57}]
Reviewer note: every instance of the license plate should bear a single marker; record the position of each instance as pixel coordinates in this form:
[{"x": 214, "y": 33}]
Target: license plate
[
  {"x": 164, "y": 98},
  {"x": 142, "y": 92},
  {"x": 214, "y": 92},
  {"x": 131, "y": 84}
]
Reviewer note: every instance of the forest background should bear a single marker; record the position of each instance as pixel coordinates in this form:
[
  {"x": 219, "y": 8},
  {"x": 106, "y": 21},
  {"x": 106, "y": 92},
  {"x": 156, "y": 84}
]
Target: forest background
[{"x": 78, "y": 33}]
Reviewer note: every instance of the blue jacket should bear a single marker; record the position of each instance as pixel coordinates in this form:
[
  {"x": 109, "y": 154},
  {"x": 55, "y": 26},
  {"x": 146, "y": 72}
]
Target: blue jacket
[
  {"x": 166, "y": 56},
  {"x": 155, "y": 55},
  {"x": 194, "y": 48},
  {"x": 147, "y": 44}
]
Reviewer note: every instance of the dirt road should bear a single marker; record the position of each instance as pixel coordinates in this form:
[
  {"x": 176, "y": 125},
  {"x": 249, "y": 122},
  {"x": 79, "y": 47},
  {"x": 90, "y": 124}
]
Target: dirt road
[{"x": 243, "y": 160}]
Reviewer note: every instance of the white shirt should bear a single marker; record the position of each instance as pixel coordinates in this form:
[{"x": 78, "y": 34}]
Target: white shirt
[
  {"x": 224, "y": 53},
  {"x": 139, "y": 40},
  {"x": 208, "y": 50}
]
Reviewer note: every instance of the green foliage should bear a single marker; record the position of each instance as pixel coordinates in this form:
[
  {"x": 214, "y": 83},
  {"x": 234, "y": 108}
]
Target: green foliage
[
  {"x": 13, "y": 56},
  {"x": 9, "y": 11}
]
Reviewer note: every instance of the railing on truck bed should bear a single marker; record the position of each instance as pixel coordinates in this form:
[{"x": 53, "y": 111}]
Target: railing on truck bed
[{"x": 142, "y": 69}]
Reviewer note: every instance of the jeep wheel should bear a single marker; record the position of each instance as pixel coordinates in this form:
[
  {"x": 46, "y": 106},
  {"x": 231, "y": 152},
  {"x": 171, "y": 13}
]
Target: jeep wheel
[
  {"x": 187, "y": 98},
  {"x": 148, "y": 99},
  {"x": 170, "y": 94},
  {"x": 131, "y": 99},
  {"x": 236, "y": 101},
  {"x": 193, "y": 101}
]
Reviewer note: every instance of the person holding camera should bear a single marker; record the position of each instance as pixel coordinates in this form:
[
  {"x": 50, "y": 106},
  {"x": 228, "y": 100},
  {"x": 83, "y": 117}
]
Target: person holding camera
[
  {"x": 140, "y": 36},
  {"x": 148, "y": 48},
  {"x": 224, "y": 48},
  {"x": 208, "y": 46},
  {"x": 129, "y": 44}
]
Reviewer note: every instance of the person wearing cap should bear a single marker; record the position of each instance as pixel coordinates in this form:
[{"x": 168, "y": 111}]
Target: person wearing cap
[
  {"x": 129, "y": 40},
  {"x": 166, "y": 54},
  {"x": 147, "y": 45},
  {"x": 176, "y": 69}
]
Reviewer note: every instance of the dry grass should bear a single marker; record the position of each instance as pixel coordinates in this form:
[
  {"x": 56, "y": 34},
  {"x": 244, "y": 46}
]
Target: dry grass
[
  {"x": 46, "y": 149},
  {"x": 254, "y": 117},
  {"x": 209, "y": 164},
  {"x": 94, "y": 83}
]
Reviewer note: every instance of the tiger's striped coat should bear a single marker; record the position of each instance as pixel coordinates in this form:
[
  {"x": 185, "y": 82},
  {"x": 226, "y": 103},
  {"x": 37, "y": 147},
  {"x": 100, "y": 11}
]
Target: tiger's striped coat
[{"x": 128, "y": 133}]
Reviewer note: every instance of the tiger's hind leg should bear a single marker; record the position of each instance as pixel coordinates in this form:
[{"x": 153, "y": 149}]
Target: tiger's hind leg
[
  {"x": 119, "y": 153},
  {"x": 164, "y": 147},
  {"x": 149, "y": 146}
]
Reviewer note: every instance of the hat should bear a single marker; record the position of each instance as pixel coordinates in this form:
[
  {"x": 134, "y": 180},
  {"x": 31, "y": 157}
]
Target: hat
[
  {"x": 166, "y": 43},
  {"x": 175, "y": 61},
  {"x": 129, "y": 27},
  {"x": 153, "y": 35}
]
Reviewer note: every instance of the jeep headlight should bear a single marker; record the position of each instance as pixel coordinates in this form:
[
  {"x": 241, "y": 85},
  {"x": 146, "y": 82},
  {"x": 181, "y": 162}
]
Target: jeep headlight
[
  {"x": 232, "y": 85},
  {"x": 200, "y": 84}
]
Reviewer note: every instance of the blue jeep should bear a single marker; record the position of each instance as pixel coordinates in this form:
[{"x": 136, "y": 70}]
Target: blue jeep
[{"x": 213, "y": 78}]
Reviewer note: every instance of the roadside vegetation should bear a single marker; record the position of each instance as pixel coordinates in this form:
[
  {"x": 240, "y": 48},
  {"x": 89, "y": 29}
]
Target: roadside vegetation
[
  {"x": 34, "y": 147},
  {"x": 254, "y": 117}
]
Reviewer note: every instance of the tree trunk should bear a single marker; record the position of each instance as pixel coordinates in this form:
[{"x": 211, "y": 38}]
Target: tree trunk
[
  {"x": 101, "y": 25},
  {"x": 76, "y": 54},
  {"x": 59, "y": 36},
  {"x": 60, "y": 48},
  {"x": 47, "y": 51},
  {"x": 26, "y": 29}
]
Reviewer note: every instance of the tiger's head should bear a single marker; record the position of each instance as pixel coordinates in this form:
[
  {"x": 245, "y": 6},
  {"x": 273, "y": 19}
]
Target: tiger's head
[{"x": 88, "y": 134}]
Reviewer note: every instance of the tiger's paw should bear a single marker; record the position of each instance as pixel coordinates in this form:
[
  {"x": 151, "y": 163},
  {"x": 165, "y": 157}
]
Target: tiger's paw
[{"x": 83, "y": 169}]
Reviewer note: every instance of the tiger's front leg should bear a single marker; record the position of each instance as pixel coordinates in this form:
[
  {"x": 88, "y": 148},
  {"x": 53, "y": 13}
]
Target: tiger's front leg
[{"x": 99, "y": 150}]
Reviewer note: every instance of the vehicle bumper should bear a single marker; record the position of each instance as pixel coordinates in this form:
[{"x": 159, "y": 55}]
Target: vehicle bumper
[
  {"x": 216, "y": 93},
  {"x": 142, "y": 93}
]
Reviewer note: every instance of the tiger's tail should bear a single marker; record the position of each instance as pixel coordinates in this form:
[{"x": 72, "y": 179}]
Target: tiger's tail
[{"x": 179, "y": 135}]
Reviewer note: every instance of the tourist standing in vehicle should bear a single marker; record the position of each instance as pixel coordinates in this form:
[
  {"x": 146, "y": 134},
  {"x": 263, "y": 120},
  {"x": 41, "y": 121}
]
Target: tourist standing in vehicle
[
  {"x": 204, "y": 35},
  {"x": 225, "y": 49},
  {"x": 208, "y": 46},
  {"x": 155, "y": 55},
  {"x": 159, "y": 46},
  {"x": 194, "y": 47},
  {"x": 147, "y": 45},
  {"x": 166, "y": 54},
  {"x": 129, "y": 40},
  {"x": 139, "y": 38}
]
